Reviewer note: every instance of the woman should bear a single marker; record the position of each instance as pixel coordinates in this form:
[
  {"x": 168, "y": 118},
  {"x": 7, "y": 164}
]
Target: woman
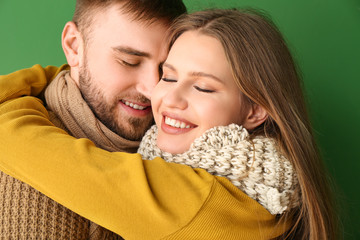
[{"x": 224, "y": 67}]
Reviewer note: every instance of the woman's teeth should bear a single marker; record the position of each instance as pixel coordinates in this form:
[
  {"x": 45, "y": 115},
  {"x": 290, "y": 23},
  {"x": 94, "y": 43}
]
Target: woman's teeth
[
  {"x": 175, "y": 123},
  {"x": 134, "y": 106}
]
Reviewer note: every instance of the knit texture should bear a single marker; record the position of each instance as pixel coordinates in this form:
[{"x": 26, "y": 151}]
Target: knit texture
[
  {"x": 64, "y": 99},
  {"x": 69, "y": 111},
  {"x": 227, "y": 151},
  {"x": 25, "y": 213}
]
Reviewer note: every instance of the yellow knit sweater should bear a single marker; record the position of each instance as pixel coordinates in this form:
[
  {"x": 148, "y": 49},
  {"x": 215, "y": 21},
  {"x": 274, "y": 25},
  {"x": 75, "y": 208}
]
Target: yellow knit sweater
[
  {"x": 135, "y": 198},
  {"x": 25, "y": 213}
]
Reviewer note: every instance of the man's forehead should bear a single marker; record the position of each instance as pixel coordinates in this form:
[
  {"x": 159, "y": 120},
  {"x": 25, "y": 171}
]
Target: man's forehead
[
  {"x": 125, "y": 35},
  {"x": 115, "y": 14}
]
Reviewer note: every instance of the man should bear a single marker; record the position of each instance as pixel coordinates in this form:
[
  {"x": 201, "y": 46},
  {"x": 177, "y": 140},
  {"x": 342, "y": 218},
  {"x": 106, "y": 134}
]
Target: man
[{"x": 114, "y": 51}]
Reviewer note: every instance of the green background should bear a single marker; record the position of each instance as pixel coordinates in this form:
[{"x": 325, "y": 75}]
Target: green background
[{"x": 324, "y": 36}]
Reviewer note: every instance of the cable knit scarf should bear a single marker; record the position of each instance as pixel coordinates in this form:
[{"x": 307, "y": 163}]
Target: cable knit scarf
[
  {"x": 268, "y": 177},
  {"x": 64, "y": 99}
]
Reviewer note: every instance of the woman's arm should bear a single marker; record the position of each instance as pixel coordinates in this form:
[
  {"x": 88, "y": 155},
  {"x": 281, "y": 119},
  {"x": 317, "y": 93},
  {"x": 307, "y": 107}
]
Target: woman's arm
[
  {"x": 91, "y": 180},
  {"x": 133, "y": 197},
  {"x": 27, "y": 82}
]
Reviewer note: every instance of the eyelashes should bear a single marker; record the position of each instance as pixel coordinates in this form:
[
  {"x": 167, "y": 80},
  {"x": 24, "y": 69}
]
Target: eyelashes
[
  {"x": 196, "y": 87},
  {"x": 168, "y": 80},
  {"x": 128, "y": 64},
  {"x": 203, "y": 89}
]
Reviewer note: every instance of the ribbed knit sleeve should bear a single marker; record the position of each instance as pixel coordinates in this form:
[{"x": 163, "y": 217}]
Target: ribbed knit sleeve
[{"x": 25, "y": 213}]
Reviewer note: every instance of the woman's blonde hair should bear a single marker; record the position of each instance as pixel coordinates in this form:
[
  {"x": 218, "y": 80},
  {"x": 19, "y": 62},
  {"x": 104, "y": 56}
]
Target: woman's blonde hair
[{"x": 266, "y": 74}]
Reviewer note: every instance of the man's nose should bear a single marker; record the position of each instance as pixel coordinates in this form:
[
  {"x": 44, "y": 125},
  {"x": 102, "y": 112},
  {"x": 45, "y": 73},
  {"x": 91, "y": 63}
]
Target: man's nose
[{"x": 147, "y": 82}]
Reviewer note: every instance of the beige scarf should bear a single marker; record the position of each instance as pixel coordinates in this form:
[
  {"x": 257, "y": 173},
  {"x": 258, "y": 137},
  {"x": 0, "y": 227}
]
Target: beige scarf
[
  {"x": 227, "y": 151},
  {"x": 66, "y": 102}
]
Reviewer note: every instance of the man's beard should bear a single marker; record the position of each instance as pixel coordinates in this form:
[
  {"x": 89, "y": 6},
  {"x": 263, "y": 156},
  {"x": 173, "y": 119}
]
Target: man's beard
[{"x": 130, "y": 128}]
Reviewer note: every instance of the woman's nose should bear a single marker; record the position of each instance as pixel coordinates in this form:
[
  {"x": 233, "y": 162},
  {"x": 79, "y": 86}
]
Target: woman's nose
[{"x": 176, "y": 97}]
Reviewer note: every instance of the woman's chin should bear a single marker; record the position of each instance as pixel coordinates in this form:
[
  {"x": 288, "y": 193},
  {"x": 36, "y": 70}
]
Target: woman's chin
[{"x": 171, "y": 147}]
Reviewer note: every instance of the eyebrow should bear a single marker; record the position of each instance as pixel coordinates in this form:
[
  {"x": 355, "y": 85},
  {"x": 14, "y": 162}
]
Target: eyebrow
[
  {"x": 131, "y": 51},
  {"x": 195, "y": 74}
]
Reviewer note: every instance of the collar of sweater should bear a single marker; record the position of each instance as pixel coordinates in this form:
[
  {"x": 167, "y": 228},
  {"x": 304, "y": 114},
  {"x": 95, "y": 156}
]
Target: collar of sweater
[{"x": 256, "y": 166}]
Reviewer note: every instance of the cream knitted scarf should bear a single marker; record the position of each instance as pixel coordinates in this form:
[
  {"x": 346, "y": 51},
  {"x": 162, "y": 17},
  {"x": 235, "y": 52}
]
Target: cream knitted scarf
[
  {"x": 64, "y": 99},
  {"x": 268, "y": 177}
]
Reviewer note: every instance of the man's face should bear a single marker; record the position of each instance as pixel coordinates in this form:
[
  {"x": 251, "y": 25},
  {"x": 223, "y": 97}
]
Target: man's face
[{"x": 119, "y": 68}]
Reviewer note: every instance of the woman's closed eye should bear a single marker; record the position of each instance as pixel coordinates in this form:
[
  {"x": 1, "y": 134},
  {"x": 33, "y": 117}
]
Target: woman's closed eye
[
  {"x": 201, "y": 89},
  {"x": 168, "y": 79}
]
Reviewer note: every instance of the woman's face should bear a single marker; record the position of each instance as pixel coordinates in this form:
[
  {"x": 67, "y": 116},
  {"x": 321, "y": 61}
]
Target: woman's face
[{"x": 197, "y": 92}]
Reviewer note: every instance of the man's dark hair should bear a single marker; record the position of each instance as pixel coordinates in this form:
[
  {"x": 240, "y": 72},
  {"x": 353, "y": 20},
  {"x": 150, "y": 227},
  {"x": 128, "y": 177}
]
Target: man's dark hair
[{"x": 140, "y": 10}]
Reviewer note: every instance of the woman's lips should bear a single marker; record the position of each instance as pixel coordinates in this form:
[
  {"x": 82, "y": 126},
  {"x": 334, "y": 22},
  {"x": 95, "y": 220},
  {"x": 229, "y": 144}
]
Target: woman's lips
[{"x": 173, "y": 125}]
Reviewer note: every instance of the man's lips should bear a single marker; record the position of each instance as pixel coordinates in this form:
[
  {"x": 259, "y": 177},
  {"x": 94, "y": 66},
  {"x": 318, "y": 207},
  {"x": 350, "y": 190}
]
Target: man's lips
[
  {"x": 136, "y": 109},
  {"x": 136, "y": 106}
]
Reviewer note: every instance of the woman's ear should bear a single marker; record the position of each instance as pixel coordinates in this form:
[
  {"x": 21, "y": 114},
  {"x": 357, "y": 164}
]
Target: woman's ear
[
  {"x": 256, "y": 116},
  {"x": 71, "y": 39}
]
